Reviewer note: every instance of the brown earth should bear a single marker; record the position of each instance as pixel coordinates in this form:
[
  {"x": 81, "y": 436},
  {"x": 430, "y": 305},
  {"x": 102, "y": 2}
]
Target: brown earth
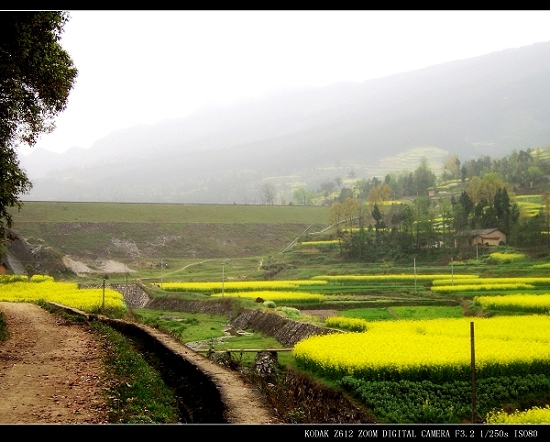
[
  {"x": 320, "y": 313},
  {"x": 50, "y": 370}
]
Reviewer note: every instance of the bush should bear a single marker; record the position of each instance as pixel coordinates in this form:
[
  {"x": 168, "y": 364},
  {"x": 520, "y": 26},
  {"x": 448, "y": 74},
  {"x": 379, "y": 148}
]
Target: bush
[{"x": 290, "y": 312}]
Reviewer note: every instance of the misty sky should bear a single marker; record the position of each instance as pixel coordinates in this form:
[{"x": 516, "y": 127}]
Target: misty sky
[{"x": 145, "y": 66}]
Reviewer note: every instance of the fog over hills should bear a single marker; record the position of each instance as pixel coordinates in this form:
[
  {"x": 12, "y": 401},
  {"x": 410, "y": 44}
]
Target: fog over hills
[{"x": 488, "y": 105}]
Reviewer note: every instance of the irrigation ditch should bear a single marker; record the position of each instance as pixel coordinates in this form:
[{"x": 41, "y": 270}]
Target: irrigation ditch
[
  {"x": 210, "y": 392},
  {"x": 295, "y": 397}
]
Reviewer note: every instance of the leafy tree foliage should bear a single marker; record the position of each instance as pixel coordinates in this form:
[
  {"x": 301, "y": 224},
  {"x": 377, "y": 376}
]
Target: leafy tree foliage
[
  {"x": 528, "y": 233},
  {"x": 379, "y": 194},
  {"x": 524, "y": 170},
  {"x": 36, "y": 76},
  {"x": 377, "y": 215},
  {"x": 423, "y": 225},
  {"x": 424, "y": 178},
  {"x": 327, "y": 187},
  {"x": 451, "y": 168},
  {"x": 345, "y": 193},
  {"x": 302, "y": 196}
]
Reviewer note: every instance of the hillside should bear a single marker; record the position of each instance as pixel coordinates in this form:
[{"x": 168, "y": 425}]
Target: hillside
[
  {"x": 141, "y": 236},
  {"x": 490, "y": 105}
]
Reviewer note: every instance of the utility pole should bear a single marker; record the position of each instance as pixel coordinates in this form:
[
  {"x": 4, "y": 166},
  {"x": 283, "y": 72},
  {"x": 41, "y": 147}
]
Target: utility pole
[
  {"x": 414, "y": 264},
  {"x": 223, "y": 276},
  {"x": 473, "y": 371},
  {"x": 452, "y": 273},
  {"x": 103, "y": 299}
]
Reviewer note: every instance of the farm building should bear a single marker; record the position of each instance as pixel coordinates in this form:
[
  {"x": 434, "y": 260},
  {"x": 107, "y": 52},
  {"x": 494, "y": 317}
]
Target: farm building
[{"x": 484, "y": 237}]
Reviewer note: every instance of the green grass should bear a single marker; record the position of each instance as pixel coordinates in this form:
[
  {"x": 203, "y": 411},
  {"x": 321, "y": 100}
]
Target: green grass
[
  {"x": 192, "y": 327},
  {"x": 69, "y": 212},
  {"x": 368, "y": 314},
  {"x": 427, "y": 312},
  {"x": 404, "y": 312},
  {"x": 139, "y": 394},
  {"x": 255, "y": 341},
  {"x": 186, "y": 327},
  {"x": 204, "y": 270}
]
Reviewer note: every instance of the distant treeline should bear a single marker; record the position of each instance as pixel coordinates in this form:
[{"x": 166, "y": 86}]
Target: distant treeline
[{"x": 477, "y": 194}]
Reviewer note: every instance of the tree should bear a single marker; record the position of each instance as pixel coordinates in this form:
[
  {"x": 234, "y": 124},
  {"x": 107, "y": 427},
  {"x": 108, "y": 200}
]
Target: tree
[
  {"x": 451, "y": 168},
  {"x": 36, "y": 77},
  {"x": 378, "y": 195},
  {"x": 546, "y": 207},
  {"x": 269, "y": 194},
  {"x": 349, "y": 208},
  {"x": 302, "y": 196},
  {"x": 336, "y": 215},
  {"x": 446, "y": 211},
  {"x": 345, "y": 193},
  {"x": 424, "y": 217},
  {"x": 377, "y": 215},
  {"x": 424, "y": 178},
  {"x": 327, "y": 187}
]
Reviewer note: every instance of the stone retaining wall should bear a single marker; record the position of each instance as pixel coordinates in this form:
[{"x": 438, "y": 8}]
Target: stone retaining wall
[
  {"x": 284, "y": 330},
  {"x": 134, "y": 295},
  {"x": 223, "y": 307}
]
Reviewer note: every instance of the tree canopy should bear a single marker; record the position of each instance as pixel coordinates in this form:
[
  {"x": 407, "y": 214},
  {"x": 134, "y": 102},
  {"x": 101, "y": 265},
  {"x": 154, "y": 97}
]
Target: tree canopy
[{"x": 36, "y": 77}]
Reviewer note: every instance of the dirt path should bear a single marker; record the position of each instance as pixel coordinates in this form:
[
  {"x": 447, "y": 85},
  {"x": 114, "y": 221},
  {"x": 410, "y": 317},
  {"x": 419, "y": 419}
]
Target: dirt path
[{"x": 50, "y": 370}]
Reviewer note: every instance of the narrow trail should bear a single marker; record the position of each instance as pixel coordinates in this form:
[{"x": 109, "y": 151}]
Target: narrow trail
[
  {"x": 51, "y": 371},
  {"x": 184, "y": 267}
]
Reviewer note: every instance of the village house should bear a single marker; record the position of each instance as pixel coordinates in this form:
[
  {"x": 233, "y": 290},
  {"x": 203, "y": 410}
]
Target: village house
[{"x": 484, "y": 237}]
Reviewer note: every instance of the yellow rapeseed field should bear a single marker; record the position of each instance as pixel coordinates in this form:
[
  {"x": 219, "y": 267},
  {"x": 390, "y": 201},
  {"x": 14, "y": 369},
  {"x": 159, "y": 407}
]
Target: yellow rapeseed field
[
  {"x": 437, "y": 349},
  {"x": 480, "y": 287},
  {"x": 343, "y": 322},
  {"x": 507, "y": 257},
  {"x": 231, "y": 286},
  {"x": 275, "y": 296},
  {"x": 66, "y": 293},
  {"x": 403, "y": 277},
  {"x": 522, "y": 302},
  {"x": 535, "y": 415},
  {"x": 531, "y": 280}
]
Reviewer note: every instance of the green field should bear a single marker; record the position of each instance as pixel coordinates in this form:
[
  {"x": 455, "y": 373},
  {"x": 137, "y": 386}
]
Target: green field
[{"x": 67, "y": 212}]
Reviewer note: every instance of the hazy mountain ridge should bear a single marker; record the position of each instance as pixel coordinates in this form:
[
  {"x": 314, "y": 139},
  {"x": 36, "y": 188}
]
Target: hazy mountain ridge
[{"x": 485, "y": 105}]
